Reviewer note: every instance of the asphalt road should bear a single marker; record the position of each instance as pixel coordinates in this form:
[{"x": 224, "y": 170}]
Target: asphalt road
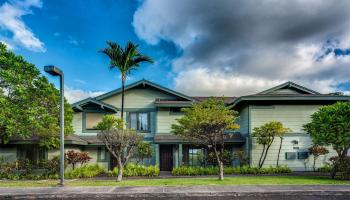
[{"x": 318, "y": 192}]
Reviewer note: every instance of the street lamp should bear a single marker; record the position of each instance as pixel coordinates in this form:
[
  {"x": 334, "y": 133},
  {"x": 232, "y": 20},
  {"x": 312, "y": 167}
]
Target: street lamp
[{"x": 57, "y": 72}]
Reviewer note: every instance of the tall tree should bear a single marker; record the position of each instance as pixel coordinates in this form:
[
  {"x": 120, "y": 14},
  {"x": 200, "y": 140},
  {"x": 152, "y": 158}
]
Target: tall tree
[
  {"x": 125, "y": 60},
  {"x": 330, "y": 126},
  {"x": 29, "y": 104},
  {"x": 265, "y": 135},
  {"x": 120, "y": 142},
  {"x": 206, "y": 123}
]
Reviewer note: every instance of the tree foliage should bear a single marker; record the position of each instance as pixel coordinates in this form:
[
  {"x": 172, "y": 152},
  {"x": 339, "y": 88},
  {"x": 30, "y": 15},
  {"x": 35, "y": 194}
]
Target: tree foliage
[
  {"x": 125, "y": 60},
  {"x": 144, "y": 151},
  {"x": 330, "y": 126},
  {"x": 74, "y": 157},
  {"x": 29, "y": 104},
  {"x": 206, "y": 123},
  {"x": 121, "y": 143},
  {"x": 265, "y": 135}
]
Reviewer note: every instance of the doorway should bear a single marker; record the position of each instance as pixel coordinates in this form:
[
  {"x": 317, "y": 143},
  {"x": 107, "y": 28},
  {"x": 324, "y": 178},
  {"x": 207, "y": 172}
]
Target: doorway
[{"x": 166, "y": 157}]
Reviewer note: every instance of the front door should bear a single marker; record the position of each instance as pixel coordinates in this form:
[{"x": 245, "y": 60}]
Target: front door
[{"x": 166, "y": 157}]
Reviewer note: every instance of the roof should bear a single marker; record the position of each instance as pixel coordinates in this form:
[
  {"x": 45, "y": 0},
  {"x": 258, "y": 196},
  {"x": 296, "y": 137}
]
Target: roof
[
  {"x": 91, "y": 101},
  {"x": 229, "y": 138},
  {"x": 144, "y": 82},
  {"x": 288, "y": 85},
  {"x": 69, "y": 139},
  {"x": 227, "y": 100}
]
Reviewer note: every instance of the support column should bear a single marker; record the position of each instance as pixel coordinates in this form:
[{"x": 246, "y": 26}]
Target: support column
[
  {"x": 156, "y": 151},
  {"x": 180, "y": 155}
]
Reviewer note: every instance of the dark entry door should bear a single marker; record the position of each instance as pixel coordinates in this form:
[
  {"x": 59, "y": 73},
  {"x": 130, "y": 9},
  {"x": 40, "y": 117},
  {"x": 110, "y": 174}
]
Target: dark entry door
[{"x": 166, "y": 157}]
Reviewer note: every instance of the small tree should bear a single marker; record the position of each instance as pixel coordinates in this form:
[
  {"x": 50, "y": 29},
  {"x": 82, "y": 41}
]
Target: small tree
[
  {"x": 330, "y": 125},
  {"x": 317, "y": 151},
  {"x": 206, "y": 123},
  {"x": 280, "y": 131},
  {"x": 84, "y": 158},
  {"x": 265, "y": 136},
  {"x": 120, "y": 142},
  {"x": 242, "y": 158},
  {"x": 72, "y": 158},
  {"x": 144, "y": 150}
]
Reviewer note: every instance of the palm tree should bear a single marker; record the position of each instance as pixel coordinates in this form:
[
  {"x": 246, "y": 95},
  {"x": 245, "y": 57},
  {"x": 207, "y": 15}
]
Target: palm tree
[{"x": 125, "y": 60}]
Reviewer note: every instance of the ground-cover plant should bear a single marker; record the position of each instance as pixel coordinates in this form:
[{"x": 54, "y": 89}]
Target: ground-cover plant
[
  {"x": 137, "y": 170},
  {"x": 206, "y": 123},
  {"x": 196, "y": 171},
  {"x": 24, "y": 169},
  {"x": 87, "y": 171}
]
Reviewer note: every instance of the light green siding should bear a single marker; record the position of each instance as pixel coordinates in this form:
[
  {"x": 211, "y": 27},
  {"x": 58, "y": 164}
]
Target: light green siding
[
  {"x": 293, "y": 117},
  {"x": 304, "y": 142},
  {"x": 165, "y": 119},
  {"x": 77, "y": 123},
  {"x": 8, "y": 154},
  {"x": 138, "y": 98},
  {"x": 244, "y": 121}
]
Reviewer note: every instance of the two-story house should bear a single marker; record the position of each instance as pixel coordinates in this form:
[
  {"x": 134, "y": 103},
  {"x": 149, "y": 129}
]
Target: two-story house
[{"x": 151, "y": 110}]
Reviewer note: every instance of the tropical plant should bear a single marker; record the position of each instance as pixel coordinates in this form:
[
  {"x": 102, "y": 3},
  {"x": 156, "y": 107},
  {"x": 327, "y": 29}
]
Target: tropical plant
[
  {"x": 29, "y": 104},
  {"x": 330, "y": 126},
  {"x": 265, "y": 135},
  {"x": 206, "y": 123},
  {"x": 125, "y": 60},
  {"x": 72, "y": 158},
  {"x": 317, "y": 151},
  {"x": 242, "y": 158},
  {"x": 121, "y": 143},
  {"x": 144, "y": 151}
]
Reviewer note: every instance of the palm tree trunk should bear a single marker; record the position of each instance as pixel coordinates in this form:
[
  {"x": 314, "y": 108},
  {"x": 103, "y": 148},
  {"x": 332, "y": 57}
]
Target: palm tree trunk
[
  {"x": 279, "y": 151},
  {"x": 123, "y": 94}
]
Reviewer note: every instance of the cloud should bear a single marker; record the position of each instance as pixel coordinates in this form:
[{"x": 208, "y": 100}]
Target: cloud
[
  {"x": 241, "y": 47},
  {"x": 73, "y": 41},
  {"x": 11, "y": 20},
  {"x": 82, "y": 82},
  {"x": 74, "y": 95}
]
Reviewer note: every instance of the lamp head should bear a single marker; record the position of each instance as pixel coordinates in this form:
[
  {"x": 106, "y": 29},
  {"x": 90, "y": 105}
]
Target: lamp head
[{"x": 55, "y": 71}]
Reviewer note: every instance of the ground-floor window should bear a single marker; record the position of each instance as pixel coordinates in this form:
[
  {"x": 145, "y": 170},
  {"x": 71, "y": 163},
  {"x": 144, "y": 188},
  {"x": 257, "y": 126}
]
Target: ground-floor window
[
  {"x": 195, "y": 156},
  {"x": 34, "y": 153}
]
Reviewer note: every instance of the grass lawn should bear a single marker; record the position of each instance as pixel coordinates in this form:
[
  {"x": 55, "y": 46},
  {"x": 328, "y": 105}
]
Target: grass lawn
[{"x": 249, "y": 180}]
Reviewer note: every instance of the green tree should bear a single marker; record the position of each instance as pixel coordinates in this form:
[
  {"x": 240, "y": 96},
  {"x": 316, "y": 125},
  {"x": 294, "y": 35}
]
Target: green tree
[
  {"x": 121, "y": 143},
  {"x": 144, "y": 150},
  {"x": 125, "y": 60},
  {"x": 265, "y": 136},
  {"x": 206, "y": 123},
  {"x": 330, "y": 126},
  {"x": 29, "y": 104}
]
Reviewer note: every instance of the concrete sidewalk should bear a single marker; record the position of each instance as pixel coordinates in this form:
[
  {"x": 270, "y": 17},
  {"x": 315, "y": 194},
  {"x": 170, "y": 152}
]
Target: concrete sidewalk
[{"x": 193, "y": 192}]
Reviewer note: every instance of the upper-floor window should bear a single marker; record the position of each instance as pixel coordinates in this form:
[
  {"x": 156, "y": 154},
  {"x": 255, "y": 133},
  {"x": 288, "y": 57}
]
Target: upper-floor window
[
  {"x": 139, "y": 121},
  {"x": 92, "y": 119}
]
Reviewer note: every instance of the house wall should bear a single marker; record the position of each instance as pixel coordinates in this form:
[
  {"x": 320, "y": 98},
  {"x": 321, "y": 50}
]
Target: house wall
[
  {"x": 165, "y": 118},
  {"x": 293, "y": 117}
]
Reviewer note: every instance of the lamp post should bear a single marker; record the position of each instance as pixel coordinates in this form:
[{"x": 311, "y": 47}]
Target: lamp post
[{"x": 57, "y": 72}]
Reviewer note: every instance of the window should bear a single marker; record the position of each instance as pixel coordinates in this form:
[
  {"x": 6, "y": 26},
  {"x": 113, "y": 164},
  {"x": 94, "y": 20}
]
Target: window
[
  {"x": 290, "y": 155},
  {"x": 101, "y": 156},
  {"x": 195, "y": 157},
  {"x": 139, "y": 121},
  {"x": 303, "y": 155},
  {"x": 33, "y": 153},
  {"x": 92, "y": 119}
]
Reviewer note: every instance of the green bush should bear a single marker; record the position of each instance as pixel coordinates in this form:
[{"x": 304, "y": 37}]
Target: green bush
[
  {"x": 326, "y": 168},
  {"x": 136, "y": 170},
  {"x": 87, "y": 171},
  {"x": 196, "y": 171}
]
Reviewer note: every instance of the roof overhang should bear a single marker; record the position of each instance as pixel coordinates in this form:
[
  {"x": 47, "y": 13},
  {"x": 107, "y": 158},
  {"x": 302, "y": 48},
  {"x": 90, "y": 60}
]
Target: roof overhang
[{"x": 90, "y": 102}]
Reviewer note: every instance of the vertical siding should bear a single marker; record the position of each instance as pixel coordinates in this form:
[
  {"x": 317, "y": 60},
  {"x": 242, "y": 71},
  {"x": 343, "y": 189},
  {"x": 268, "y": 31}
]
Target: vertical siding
[
  {"x": 77, "y": 123},
  {"x": 293, "y": 117},
  {"x": 244, "y": 121}
]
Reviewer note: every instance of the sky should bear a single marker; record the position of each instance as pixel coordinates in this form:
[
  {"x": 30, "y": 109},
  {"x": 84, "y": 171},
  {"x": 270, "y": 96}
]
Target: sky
[{"x": 200, "y": 47}]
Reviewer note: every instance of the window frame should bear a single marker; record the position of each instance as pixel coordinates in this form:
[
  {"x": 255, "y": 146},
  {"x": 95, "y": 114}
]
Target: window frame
[{"x": 148, "y": 114}]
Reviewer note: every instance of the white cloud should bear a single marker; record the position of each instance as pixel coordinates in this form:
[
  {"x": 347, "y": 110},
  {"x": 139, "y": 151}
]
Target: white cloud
[
  {"x": 11, "y": 21},
  {"x": 240, "y": 47},
  {"x": 74, "y": 95}
]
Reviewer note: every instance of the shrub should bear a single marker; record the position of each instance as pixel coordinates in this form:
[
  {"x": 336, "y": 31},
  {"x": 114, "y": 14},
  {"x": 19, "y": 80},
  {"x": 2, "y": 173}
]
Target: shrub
[
  {"x": 137, "y": 170},
  {"x": 87, "y": 171},
  {"x": 197, "y": 171},
  {"x": 74, "y": 157},
  {"x": 326, "y": 168}
]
